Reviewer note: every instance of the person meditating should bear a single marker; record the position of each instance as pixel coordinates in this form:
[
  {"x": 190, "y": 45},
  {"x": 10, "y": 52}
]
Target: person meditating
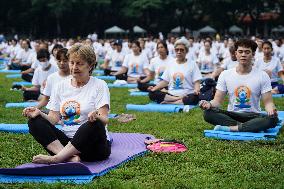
[
  {"x": 82, "y": 102},
  {"x": 245, "y": 86},
  {"x": 182, "y": 77}
]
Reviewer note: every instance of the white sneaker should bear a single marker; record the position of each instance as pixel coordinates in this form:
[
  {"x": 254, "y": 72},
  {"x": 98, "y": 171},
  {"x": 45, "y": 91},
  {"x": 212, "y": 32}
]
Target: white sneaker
[{"x": 186, "y": 108}]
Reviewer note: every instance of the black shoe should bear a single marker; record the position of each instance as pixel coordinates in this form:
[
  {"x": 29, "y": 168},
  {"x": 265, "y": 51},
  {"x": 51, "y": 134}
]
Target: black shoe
[{"x": 16, "y": 87}]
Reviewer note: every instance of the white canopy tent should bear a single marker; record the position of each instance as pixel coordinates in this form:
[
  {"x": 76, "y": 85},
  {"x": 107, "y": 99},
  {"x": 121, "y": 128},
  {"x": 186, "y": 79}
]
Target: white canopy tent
[
  {"x": 138, "y": 29},
  {"x": 235, "y": 29},
  {"x": 178, "y": 30},
  {"x": 114, "y": 30},
  {"x": 207, "y": 29}
]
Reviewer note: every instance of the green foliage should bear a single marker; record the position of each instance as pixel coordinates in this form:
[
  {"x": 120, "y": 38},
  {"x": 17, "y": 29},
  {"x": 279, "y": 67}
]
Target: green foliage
[{"x": 208, "y": 163}]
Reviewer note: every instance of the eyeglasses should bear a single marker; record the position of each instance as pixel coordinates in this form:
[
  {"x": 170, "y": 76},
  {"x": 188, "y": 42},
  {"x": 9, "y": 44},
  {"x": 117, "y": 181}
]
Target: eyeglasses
[{"x": 179, "y": 50}]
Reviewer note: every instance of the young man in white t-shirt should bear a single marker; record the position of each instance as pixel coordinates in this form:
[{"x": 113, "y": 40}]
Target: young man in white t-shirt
[{"x": 245, "y": 86}]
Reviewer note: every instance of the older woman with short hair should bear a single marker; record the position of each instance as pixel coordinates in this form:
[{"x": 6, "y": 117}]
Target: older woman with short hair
[
  {"x": 82, "y": 101},
  {"x": 182, "y": 78}
]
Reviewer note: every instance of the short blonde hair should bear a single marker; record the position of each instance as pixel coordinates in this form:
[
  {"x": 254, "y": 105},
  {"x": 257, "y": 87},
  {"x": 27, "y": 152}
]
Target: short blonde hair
[{"x": 84, "y": 52}]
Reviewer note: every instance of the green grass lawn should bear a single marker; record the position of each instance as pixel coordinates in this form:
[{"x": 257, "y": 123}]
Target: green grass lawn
[{"x": 208, "y": 163}]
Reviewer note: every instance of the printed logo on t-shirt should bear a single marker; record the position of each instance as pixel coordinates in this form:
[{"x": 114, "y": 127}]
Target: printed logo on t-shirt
[
  {"x": 242, "y": 95},
  {"x": 178, "y": 80},
  {"x": 70, "y": 112},
  {"x": 118, "y": 63},
  {"x": 160, "y": 72},
  {"x": 134, "y": 67}
]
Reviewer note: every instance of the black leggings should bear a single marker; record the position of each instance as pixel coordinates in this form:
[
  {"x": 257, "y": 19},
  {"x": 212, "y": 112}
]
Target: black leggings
[
  {"x": 144, "y": 86},
  {"x": 90, "y": 139},
  {"x": 31, "y": 95},
  {"x": 246, "y": 121},
  {"x": 159, "y": 96}
]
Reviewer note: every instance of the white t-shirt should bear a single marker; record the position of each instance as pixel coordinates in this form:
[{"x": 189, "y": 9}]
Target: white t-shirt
[
  {"x": 116, "y": 59},
  {"x": 244, "y": 90},
  {"x": 135, "y": 64},
  {"x": 181, "y": 78},
  {"x": 228, "y": 63},
  {"x": 158, "y": 66},
  {"x": 207, "y": 63},
  {"x": 74, "y": 104},
  {"x": 274, "y": 65},
  {"x": 41, "y": 75},
  {"x": 23, "y": 55}
]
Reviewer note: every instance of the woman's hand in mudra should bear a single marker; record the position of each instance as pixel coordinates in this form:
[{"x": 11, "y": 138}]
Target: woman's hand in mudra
[
  {"x": 31, "y": 112},
  {"x": 92, "y": 116}
]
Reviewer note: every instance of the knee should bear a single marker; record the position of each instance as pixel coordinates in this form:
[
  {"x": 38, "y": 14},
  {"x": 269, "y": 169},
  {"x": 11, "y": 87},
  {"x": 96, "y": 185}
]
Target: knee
[
  {"x": 190, "y": 99},
  {"x": 157, "y": 96},
  {"x": 34, "y": 123}
]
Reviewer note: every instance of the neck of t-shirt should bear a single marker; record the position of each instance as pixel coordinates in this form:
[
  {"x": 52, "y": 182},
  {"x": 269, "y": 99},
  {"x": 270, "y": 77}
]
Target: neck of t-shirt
[
  {"x": 79, "y": 83},
  {"x": 243, "y": 69},
  {"x": 267, "y": 59}
]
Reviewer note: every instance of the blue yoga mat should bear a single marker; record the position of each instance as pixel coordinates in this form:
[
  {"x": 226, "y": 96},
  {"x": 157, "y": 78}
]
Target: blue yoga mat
[
  {"x": 24, "y": 83},
  {"x": 106, "y": 77},
  {"x": 157, "y": 107},
  {"x": 10, "y": 71},
  {"x": 278, "y": 95},
  {"x": 20, "y": 104},
  {"x": 139, "y": 93},
  {"x": 130, "y": 85},
  {"x": 270, "y": 134},
  {"x": 125, "y": 147},
  {"x": 23, "y": 128},
  {"x": 98, "y": 72},
  {"x": 14, "y": 76}
]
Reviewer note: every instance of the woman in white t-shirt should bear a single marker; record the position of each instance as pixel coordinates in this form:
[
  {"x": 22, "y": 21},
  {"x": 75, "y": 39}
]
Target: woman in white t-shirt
[
  {"x": 207, "y": 61},
  {"x": 82, "y": 102},
  {"x": 182, "y": 78},
  {"x": 134, "y": 66},
  {"x": 157, "y": 67},
  {"x": 272, "y": 66}
]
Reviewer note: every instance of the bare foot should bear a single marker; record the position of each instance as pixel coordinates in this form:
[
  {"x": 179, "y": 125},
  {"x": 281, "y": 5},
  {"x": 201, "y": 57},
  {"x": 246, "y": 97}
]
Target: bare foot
[
  {"x": 275, "y": 90},
  {"x": 74, "y": 158},
  {"x": 43, "y": 159}
]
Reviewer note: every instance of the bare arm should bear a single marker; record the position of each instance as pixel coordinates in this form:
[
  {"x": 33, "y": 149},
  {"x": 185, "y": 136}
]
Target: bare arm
[
  {"x": 30, "y": 70},
  {"x": 215, "y": 103},
  {"x": 31, "y": 112},
  {"x": 149, "y": 77},
  {"x": 101, "y": 114},
  {"x": 217, "y": 72},
  {"x": 268, "y": 103},
  {"x": 197, "y": 87},
  {"x": 121, "y": 71},
  {"x": 43, "y": 101},
  {"x": 160, "y": 85},
  {"x": 33, "y": 88}
]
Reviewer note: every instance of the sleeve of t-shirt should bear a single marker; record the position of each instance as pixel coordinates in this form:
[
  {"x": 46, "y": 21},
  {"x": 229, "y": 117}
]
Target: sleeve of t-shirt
[
  {"x": 166, "y": 75},
  {"x": 35, "y": 80},
  {"x": 265, "y": 83},
  {"x": 48, "y": 87},
  {"x": 225, "y": 64},
  {"x": 103, "y": 96},
  {"x": 215, "y": 60},
  {"x": 221, "y": 84},
  {"x": 196, "y": 74},
  {"x": 279, "y": 66},
  {"x": 34, "y": 64},
  {"x": 54, "y": 100},
  {"x": 151, "y": 65},
  {"x": 125, "y": 62},
  {"x": 145, "y": 62}
]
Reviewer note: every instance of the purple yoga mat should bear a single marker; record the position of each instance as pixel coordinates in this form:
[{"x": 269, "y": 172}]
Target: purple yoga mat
[{"x": 124, "y": 147}]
